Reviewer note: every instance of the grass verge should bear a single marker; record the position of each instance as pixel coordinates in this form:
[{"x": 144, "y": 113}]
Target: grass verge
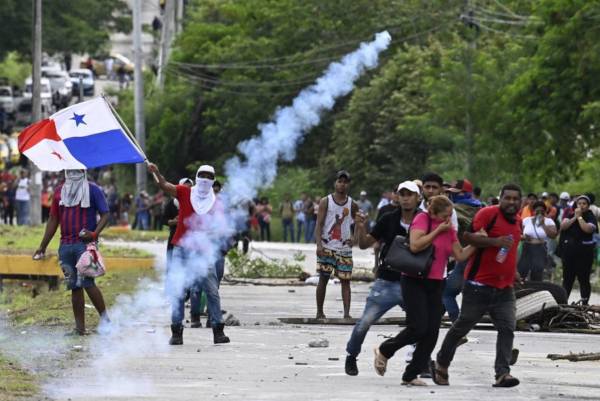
[
  {"x": 31, "y": 303},
  {"x": 15, "y": 383},
  {"x": 25, "y": 240}
]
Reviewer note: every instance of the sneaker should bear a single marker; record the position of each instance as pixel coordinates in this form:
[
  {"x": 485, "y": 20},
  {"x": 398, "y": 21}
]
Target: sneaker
[
  {"x": 380, "y": 362},
  {"x": 506, "y": 380},
  {"x": 351, "y": 368}
]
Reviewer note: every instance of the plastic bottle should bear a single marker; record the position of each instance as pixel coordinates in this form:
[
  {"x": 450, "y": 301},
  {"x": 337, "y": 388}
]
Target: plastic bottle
[{"x": 503, "y": 253}]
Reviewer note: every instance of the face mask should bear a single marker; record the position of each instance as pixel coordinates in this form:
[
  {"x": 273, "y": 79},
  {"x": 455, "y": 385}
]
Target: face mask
[
  {"x": 74, "y": 175},
  {"x": 204, "y": 185}
]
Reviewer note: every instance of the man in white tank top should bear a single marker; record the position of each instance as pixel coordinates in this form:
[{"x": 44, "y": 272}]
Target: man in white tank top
[{"x": 334, "y": 238}]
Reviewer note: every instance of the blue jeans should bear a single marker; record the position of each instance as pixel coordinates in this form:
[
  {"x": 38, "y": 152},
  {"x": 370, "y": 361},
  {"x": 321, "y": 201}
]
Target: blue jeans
[
  {"x": 299, "y": 225},
  {"x": 68, "y": 256},
  {"x": 196, "y": 295},
  {"x": 454, "y": 285},
  {"x": 22, "y": 212},
  {"x": 309, "y": 232},
  {"x": 189, "y": 270},
  {"x": 384, "y": 295},
  {"x": 288, "y": 225}
]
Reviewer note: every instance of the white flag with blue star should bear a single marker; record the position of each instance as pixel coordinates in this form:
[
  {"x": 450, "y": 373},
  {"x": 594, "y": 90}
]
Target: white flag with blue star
[{"x": 85, "y": 135}]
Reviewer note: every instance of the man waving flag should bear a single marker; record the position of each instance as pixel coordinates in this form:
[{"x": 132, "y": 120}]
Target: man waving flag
[{"x": 83, "y": 136}]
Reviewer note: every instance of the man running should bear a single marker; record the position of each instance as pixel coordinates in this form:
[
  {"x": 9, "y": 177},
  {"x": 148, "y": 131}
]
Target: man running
[
  {"x": 333, "y": 236},
  {"x": 490, "y": 277},
  {"x": 385, "y": 292}
]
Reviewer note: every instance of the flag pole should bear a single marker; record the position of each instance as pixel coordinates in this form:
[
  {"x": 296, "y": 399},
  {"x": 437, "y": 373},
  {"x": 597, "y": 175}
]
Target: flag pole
[{"x": 127, "y": 132}]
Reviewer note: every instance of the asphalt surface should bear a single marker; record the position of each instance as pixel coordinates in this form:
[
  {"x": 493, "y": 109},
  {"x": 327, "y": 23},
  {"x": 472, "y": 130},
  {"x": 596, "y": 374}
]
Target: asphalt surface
[{"x": 270, "y": 361}]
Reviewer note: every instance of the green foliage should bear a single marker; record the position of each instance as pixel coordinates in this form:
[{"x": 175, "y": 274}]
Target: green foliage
[
  {"x": 242, "y": 266},
  {"x": 14, "y": 69},
  {"x": 15, "y": 382},
  {"x": 83, "y": 26}
]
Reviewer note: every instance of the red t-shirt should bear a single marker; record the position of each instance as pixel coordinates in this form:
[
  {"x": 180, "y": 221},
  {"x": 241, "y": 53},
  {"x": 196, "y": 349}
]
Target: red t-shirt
[
  {"x": 489, "y": 271},
  {"x": 187, "y": 219}
]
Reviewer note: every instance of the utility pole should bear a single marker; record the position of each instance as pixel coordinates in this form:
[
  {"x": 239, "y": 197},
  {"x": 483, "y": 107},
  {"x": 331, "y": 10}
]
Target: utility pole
[
  {"x": 179, "y": 16},
  {"x": 35, "y": 175},
  {"x": 467, "y": 18},
  {"x": 138, "y": 78},
  {"x": 165, "y": 41}
]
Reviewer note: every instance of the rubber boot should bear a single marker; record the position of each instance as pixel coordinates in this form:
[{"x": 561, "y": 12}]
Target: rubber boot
[
  {"x": 176, "y": 334},
  {"x": 195, "y": 321},
  {"x": 218, "y": 336}
]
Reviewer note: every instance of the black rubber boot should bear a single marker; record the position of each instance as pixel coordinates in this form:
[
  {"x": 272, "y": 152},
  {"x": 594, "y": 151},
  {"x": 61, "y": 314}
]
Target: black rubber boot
[
  {"x": 218, "y": 336},
  {"x": 195, "y": 322},
  {"x": 176, "y": 334},
  {"x": 351, "y": 368}
]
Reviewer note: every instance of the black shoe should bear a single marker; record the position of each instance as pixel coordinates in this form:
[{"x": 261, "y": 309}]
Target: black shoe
[
  {"x": 351, "y": 368},
  {"x": 195, "y": 322},
  {"x": 176, "y": 334},
  {"x": 426, "y": 374},
  {"x": 218, "y": 336}
]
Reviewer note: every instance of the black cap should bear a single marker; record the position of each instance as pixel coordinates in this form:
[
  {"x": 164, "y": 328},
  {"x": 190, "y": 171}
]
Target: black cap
[{"x": 343, "y": 173}]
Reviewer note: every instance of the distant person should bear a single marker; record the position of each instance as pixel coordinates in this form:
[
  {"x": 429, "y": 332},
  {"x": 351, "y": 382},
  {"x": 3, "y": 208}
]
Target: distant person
[
  {"x": 76, "y": 206},
  {"x": 577, "y": 247},
  {"x": 46, "y": 203},
  {"x": 527, "y": 210},
  {"x": 334, "y": 241},
  {"x": 23, "y": 198},
  {"x": 300, "y": 215},
  {"x": 264, "y": 210},
  {"x": 108, "y": 66},
  {"x": 286, "y": 211},
  {"x": 365, "y": 206},
  {"x": 537, "y": 230},
  {"x": 311, "y": 220},
  {"x": 142, "y": 213}
]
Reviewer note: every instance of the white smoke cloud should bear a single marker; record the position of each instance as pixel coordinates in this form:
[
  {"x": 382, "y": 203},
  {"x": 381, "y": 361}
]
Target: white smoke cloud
[{"x": 278, "y": 139}]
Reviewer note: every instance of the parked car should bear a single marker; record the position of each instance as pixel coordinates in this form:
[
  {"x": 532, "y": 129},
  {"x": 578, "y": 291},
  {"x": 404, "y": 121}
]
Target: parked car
[
  {"x": 61, "y": 86},
  {"x": 7, "y": 100},
  {"x": 46, "y": 92},
  {"x": 87, "y": 79},
  {"x": 23, "y": 115},
  {"x": 99, "y": 65},
  {"x": 13, "y": 145}
]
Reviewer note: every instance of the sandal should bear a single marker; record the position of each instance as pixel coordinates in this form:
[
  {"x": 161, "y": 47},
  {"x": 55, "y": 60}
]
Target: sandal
[
  {"x": 414, "y": 382},
  {"x": 380, "y": 362},
  {"x": 506, "y": 380},
  {"x": 440, "y": 378}
]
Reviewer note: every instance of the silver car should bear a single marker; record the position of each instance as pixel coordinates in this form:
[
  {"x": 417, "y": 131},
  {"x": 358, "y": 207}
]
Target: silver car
[{"x": 7, "y": 101}]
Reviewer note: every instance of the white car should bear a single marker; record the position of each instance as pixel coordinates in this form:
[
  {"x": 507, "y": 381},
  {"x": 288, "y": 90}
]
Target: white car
[
  {"x": 87, "y": 80},
  {"x": 7, "y": 101},
  {"x": 46, "y": 92},
  {"x": 60, "y": 84}
]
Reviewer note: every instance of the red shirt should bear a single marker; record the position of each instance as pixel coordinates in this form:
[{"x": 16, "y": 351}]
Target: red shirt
[
  {"x": 188, "y": 219},
  {"x": 488, "y": 270}
]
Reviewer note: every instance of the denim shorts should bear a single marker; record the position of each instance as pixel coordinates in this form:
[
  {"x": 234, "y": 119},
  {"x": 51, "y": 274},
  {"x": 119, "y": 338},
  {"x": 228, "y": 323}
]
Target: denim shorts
[{"x": 68, "y": 255}]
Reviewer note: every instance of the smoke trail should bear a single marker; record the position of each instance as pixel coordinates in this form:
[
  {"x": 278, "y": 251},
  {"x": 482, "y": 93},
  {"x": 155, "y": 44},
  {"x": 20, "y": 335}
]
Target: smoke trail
[{"x": 278, "y": 139}]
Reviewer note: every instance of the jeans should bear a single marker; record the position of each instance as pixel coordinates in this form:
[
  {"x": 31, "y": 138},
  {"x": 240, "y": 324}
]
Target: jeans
[
  {"x": 68, "y": 256},
  {"x": 309, "y": 232},
  {"x": 189, "y": 270},
  {"x": 299, "y": 225},
  {"x": 476, "y": 301},
  {"x": 454, "y": 285},
  {"x": 288, "y": 225},
  {"x": 22, "y": 212},
  {"x": 384, "y": 295},
  {"x": 196, "y": 306},
  {"x": 143, "y": 220},
  {"x": 265, "y": 230},
  {"x": 423, "y": 303}
]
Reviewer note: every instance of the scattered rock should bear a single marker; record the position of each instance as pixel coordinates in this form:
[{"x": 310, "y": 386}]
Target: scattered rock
[
  {"x": 333, "y": 359},
  {"x": 290, "y": 357},
  {"x": 232, "y": 321},
  {"x": 257, "y": 323},
  {"x": 179, "y": 368},
  {"x": 301, "y": 363},
  {"x": 275, "y": 323},
  {"x": 198, "y": 350},
  {"x": 320, "y": 343},
  {"x": 78, "y": 348},
  {"x": 291, "y": 290}
]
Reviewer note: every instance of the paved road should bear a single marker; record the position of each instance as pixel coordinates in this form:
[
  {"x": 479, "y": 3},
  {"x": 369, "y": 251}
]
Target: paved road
[{"x": 269, "y": 361}]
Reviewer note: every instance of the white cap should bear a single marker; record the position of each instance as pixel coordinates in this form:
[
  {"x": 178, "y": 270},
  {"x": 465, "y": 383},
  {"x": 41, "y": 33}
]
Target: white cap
[
  {"x": 363, "y": 193},
  {"x": 184, "y": 180},
  {"x": 544, "y": 194},
  {"x": 410, "y": 185},
  {"x": 205, "y": 168},
  {"x": 565, "y": 195}
]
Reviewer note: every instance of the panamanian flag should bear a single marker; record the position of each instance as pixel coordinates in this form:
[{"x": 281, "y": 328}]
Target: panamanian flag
[{"x": 83, "y": 136}]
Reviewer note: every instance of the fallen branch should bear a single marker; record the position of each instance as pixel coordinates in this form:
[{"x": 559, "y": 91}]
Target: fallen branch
[{"x": 576, "y": 357}]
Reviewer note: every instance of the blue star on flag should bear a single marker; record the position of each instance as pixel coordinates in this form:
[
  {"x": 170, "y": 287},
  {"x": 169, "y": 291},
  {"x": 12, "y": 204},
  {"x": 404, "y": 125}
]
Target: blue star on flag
[{"x": 78, "y": 118}]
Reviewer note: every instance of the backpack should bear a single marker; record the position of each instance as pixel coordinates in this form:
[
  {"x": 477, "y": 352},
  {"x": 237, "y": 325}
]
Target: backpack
[{"x": 465, "y": 215}]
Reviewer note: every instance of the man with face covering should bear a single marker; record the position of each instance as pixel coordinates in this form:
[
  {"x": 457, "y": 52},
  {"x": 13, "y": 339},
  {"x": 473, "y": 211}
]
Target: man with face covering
[
  {"x": 193, "y": 263},
  {"x": 75, "y": 207}
]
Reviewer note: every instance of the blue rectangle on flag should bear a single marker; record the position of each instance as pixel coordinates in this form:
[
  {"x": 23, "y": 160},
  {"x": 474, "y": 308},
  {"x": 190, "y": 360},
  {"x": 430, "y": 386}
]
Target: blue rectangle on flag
[{"x": 104, "y": 148}]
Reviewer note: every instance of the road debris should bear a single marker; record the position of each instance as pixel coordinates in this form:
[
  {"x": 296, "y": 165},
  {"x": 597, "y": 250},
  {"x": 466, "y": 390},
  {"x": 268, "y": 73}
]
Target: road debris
[
  {"x": 320, "y": 343},
  {"x": 593, "y": 356}
]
